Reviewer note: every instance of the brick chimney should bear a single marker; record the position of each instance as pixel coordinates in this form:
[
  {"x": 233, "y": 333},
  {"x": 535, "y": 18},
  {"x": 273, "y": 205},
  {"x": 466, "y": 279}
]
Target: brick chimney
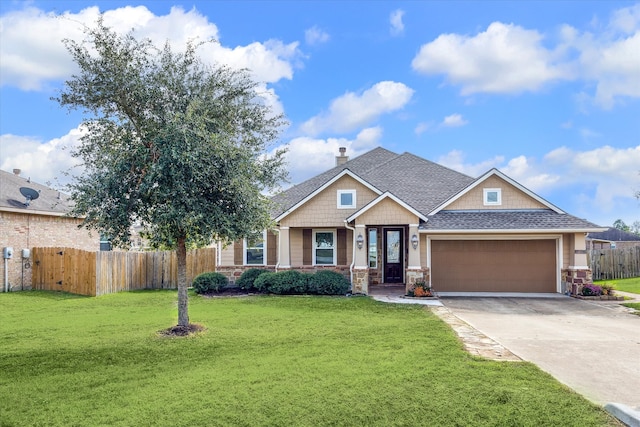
[
  {"x": 17, "y": 171},
  {"x": 342, "y": 158}
]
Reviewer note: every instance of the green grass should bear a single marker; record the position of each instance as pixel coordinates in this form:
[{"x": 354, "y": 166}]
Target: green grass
[
  {"x": 276, "y": 361},
  {"x": 635, "y": 306},
  {"x": 626, "y": 285}
]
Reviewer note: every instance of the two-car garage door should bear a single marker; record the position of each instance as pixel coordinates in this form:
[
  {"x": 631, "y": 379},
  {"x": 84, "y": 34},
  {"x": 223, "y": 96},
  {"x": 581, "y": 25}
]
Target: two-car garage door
[{"x": 493, "y": 265}]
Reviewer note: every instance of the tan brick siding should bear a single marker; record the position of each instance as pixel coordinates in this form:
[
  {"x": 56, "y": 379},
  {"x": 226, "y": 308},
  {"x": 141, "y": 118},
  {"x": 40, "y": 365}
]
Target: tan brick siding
[
  {"x": 26, "y": 231},
  {"x": 387, "y": 212},
  {"x": 512, "y": 198},
  {"x": 322, "y": 210}
]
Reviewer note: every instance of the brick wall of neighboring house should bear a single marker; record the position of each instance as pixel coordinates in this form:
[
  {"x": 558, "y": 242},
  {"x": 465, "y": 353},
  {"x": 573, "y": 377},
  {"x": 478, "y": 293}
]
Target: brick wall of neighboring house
[{"x": 26, "y": 231}]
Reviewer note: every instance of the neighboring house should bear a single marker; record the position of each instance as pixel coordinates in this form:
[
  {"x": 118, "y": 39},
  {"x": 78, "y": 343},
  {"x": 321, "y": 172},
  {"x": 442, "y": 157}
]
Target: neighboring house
[
  {"x": 612, "y": 238},
  {"x": 40, "y": 223},
  {"x": 385, "y": 218}
]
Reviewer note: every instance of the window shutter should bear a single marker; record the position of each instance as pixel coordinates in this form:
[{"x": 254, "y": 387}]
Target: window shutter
[
  {"x": 238, "y": 256},
  {"x": 307, "y": 246},
  {"x": 341, "y": 243},
  {"x": 272, "y": 256}
]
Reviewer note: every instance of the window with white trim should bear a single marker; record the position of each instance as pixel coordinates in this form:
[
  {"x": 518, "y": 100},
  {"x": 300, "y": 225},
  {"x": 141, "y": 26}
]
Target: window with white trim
[
  {"x": 254, "y": 251},
  {"x": 492, "y": 196},
  {"x": 324, "y": 247},
  {"x": 373, "y": 248},
  {"x": 346, "y": 199}
]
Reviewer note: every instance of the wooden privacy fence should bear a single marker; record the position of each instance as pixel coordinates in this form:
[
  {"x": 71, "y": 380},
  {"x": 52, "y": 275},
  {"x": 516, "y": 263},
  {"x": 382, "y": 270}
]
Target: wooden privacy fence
[
  {"x": 98, "y": 273},
  {"x": 609, "y": 264}
]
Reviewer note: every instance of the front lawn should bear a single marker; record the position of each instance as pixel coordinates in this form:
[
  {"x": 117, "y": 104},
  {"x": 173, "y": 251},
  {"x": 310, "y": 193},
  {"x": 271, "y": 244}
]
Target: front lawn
[
  {"x": 277, "y": 361},
  {"x": 625, "y": 285}
]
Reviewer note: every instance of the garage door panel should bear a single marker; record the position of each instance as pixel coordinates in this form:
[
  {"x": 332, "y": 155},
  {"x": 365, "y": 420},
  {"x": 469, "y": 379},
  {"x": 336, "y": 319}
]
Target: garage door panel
[{"x": 493, "y": 265}]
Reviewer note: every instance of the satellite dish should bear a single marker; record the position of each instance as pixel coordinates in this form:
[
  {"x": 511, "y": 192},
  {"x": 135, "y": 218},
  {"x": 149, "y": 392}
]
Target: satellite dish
[{"x": 29, "y": 194}]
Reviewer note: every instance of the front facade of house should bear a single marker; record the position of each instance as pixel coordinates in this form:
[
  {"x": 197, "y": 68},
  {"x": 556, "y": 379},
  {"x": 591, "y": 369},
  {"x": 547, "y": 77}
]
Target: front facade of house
[{"x": 385, "y": 218}]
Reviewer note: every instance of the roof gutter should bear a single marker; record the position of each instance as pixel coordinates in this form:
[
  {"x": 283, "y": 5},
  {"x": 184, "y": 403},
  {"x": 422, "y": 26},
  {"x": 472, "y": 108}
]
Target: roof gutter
[{"x": 512, "y": 231}]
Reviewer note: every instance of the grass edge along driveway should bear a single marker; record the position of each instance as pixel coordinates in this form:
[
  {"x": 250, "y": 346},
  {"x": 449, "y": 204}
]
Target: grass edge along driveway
[{"x": 263, "y": 361}]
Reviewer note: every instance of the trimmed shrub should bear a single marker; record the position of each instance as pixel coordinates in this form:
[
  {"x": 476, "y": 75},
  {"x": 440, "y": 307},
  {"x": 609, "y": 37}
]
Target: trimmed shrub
[
  {"x": 246, "y": 281},
  {"x": 262, "y": 283},
  {"x": 289, "y": 282},
  {"x": 209, "y": 282},
  {"x": 327, "y": 282}
]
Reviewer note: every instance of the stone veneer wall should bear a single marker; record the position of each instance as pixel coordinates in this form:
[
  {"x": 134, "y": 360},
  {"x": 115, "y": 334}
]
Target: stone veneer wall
[
  {"x": 360, "y": 283},
  {"x": 414, "y": 275},
  {"x": 573, "y": 280}
]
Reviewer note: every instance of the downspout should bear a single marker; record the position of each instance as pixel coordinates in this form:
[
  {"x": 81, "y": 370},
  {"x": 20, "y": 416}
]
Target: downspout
[
  {"x": 277, "y": 231},
  {"x": 6, "y": 275},
  {"x": 353, "y": 255},
  {"x": 218, "y": 254}
]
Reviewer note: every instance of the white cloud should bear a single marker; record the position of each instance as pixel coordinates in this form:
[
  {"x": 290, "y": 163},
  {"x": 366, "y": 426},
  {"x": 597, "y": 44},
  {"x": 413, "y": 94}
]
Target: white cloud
[
  {"x": 314, "y": 36},
  {"x": 455, "y": 160},
  {"x": 613, "y": 64},
  {"x": 32, "y": 52},
  {"x": 507, "y": 58},
  {"x": 422, "y": 127},
  {"x": 43, "y": 161},
  {"x": 307, "y": 157},
  {"x": 351, "y": 110},
  {"x": 626, "y": 20},
  {"x": 503, "y": 59},
  {"x": 395, "y": 19},
  {"x": 587, "y": 133},
  {"x": 454, "y": 120}
]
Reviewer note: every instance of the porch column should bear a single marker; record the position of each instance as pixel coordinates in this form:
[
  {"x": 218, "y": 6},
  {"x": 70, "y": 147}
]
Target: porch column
[
  {"x": 414, "y": 253},
  {"x": 360, "y": 283},
  {"x": 284, "y": 256},
  {"x": 578, "y": 273},
  {"x": 415, "y": 272}
]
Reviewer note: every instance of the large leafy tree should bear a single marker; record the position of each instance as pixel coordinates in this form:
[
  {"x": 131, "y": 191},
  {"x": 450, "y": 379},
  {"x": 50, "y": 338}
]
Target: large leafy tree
[
  {"x": 172, "y": 143},
  {"x": 620, "y": 225}
]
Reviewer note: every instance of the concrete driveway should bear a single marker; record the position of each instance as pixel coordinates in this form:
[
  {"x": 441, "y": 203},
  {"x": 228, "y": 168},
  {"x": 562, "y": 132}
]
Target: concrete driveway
[{"x": 593, "y": 347}]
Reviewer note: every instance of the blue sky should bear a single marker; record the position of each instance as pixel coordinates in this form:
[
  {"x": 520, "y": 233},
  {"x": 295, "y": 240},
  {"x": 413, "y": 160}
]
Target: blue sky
[{"x": 547, "y": 92}]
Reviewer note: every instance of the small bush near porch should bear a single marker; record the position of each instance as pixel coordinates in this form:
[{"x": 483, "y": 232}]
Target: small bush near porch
[{"x": 70, "y": 360}]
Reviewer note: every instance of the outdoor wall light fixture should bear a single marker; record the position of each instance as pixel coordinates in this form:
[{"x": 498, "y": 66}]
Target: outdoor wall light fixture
[
  {"x": 360, "y": 241},
  {"x": 414, "y": 241}
]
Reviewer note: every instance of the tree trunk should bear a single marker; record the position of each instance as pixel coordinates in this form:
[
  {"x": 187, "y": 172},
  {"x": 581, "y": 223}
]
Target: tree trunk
[{"x": 183, "y": 298}]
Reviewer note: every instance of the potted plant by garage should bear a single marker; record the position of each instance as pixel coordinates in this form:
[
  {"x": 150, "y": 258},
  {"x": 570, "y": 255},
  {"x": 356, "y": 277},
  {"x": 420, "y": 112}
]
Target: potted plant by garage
[{"x": 421, "y": 289}]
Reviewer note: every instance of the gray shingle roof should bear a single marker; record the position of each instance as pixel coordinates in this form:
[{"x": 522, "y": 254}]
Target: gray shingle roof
[
  {"x": 539, "y": 219},
  {"x": 49, "y": 200},
  {"x": 615, "y": 235},
  {"x": 425, "y": 185},
  {"x": 418, "y": 182}
]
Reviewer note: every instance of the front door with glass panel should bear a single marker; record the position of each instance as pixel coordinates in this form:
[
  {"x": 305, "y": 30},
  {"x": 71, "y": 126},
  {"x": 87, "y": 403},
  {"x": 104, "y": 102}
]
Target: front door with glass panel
[{"x": 393, "y": 255}]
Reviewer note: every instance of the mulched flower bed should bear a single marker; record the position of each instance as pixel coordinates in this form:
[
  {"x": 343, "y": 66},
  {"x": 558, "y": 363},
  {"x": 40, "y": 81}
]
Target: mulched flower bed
[{"x": 182, "y": 331}]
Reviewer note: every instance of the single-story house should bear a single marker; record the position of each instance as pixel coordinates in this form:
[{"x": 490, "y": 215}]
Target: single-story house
[
  {"x": 40, "y": 221},
  {"x": 612, "y": 238},
  {"x": 384, "y": 218}
]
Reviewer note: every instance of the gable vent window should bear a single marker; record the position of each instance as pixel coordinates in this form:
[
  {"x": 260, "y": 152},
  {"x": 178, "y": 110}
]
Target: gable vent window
[
  {"x": 492, "y": 196},
  {"x": 346, "y": 199}
]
